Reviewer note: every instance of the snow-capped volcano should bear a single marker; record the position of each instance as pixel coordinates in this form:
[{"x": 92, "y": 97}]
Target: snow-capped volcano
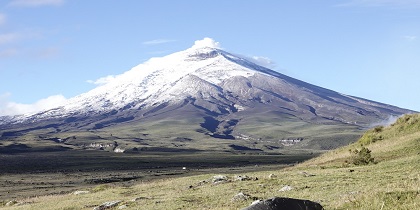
[
  {"x": 197, "y": 70},
  {"x": 218, "y": 89}
]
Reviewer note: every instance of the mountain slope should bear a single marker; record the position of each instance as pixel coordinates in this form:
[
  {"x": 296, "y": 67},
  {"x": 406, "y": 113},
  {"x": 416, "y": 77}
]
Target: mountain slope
[{"x": 212, "y": 94}]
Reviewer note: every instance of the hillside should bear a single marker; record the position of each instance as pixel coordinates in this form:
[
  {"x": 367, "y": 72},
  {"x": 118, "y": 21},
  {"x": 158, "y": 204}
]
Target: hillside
[{"x": 390, "y": 181}]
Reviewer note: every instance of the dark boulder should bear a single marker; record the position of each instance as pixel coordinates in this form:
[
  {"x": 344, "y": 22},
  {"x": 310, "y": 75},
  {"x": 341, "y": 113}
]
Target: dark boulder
[{"x": 278, "y": 203}]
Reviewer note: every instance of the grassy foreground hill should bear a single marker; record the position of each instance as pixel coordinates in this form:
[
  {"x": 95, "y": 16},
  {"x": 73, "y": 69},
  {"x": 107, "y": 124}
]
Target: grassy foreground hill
[{"x": 380, "y": 171}]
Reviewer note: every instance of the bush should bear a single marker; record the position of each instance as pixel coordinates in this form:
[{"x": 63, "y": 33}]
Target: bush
[
  {"x": 362, "y": 156},
  {"x": 378, "y": 129},
  {"x": 370, "y": 137},
  {"x": 408, "y": 123},
  {"x": 100, "y": 188}
]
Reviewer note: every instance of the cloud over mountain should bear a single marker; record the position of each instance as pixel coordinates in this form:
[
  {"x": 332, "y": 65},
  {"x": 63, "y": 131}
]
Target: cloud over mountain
[
  {"x": 102, "y": 80},
  {"x": 8, "y": 107},
  {"x": 207, "y": 42}
]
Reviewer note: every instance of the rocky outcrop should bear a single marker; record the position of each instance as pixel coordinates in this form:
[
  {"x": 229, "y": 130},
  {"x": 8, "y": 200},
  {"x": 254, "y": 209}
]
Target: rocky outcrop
[
  {"x": 11, "y": 203},
  {"x": 286, "y": 188},
  {"x": 244, "y": 178},
  {"x": 80, "y": 192},
  {"x": 242, "y": 197},
  {"x": 272, "y": 176},
  {"x": 107, "y": 205},
  {"x": 219, "y": 179},
  {"x": 280, "y": 203}
]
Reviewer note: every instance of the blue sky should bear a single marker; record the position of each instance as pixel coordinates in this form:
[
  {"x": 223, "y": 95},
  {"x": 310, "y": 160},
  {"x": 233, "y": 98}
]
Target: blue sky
[{"x": 51, "y": 50}]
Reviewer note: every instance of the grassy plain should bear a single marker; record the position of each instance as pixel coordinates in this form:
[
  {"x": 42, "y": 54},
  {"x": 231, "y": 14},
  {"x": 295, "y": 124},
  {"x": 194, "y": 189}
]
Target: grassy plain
[
  {"x": 31, "y": 174},
  {"x": 393, "y": 182}
]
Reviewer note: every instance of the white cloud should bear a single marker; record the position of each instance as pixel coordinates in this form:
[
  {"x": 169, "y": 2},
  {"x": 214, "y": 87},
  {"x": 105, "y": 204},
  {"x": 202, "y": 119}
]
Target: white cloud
[
  {"x": 2, "y": 19},
  {"x": 8, "y": 38},
  {"x": 382, "y": 3},
  {"x": 263, "y": 61},
  {"x": 207, "y": 42},
  {"x": 158, "y": 41},
  {"x": 36, "y": 3},
  {"x": 102, "y": 80},
  {"x": 410, "y": 38},
  {"x": 259, "y": 60},
  {"x": 8, "y": 107}
]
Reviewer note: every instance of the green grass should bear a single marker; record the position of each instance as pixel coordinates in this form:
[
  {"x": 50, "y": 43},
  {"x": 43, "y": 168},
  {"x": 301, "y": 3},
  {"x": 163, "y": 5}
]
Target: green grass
[
  {"x": 392, "y": 183},
  {"x": 316, "y": 136}
]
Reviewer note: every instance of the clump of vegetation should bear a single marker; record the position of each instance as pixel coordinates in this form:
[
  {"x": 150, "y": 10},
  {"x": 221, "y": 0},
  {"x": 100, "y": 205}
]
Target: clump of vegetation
[
  {"x": 362, "y": 156},
  {"x": 407, "y": 124},
  {"x": 378, "y": 129},
  {"x": 100, "y": 188},
  {"x": 372, "y": 136}
]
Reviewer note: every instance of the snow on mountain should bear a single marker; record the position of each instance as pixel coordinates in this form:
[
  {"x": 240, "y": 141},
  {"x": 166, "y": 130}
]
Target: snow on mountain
[
  {"x": 208, "y": 73},
  {"x": 159, "y": 80}
]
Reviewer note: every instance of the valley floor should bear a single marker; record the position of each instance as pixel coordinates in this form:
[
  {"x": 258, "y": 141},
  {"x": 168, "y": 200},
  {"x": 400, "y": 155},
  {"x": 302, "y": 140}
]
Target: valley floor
[
  {"x": 33, "y": 174},
  {"x": 389, "y": 185}
]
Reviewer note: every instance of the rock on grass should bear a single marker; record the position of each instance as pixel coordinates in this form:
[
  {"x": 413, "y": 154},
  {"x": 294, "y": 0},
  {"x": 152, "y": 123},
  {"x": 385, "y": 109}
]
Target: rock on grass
[
  {"x": 280, "y": 203},
  {"x": 107, "y": 205}
]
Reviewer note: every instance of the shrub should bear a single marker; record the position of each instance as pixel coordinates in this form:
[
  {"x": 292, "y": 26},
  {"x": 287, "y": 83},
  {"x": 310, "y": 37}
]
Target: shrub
[
  {"x": 408, "y": 123},
  {"x": 372, "y": 136},
  {"x": 362, "y": 157},
  {"x": 378, "y": 129},
  {"x": 100, "y": 188}
]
